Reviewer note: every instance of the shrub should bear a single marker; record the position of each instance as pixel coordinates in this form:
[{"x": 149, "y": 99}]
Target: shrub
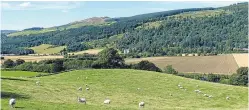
[
  {"x": 19, "y": 61},
  {"x": 146, "y": 65},
  {"x": 8, "y": 63},
  {"x": 169, "y": 69}
]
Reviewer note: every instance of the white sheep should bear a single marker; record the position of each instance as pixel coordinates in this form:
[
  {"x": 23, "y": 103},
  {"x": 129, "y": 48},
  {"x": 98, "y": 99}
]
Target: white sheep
[
  {"x": 87, "y": 88},
  {"x": 86, "y": 77},
  {"x": 181, "y": 87},
  {"x": 227, "y": 98},
  {"x": 138, "y": 88},
  {"x": 107, "y": 101},
  {"x": 80, "y": 88},
  {"x": 12, "y": 102},
  {"x": 210, "y": 96},
  {"x": 141, "y": 104},
  {"x": 37, "y": 83},
  {"x": 82, "y": 100},
  {"x": 205, "y": 95}
]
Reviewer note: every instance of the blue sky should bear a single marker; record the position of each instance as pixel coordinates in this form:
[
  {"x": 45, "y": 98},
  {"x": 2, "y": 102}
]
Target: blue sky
[{"x": 21, "y": 15}]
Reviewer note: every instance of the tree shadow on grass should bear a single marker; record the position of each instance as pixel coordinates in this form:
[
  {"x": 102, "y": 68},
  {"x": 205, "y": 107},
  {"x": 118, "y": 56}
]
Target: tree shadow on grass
[
  {"x": 14, "y": 79},
  {"x": 13, "y": 95}
]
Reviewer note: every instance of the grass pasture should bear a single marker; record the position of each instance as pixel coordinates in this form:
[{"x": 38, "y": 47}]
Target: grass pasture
[
  {"x": 47, "y": 49},
  {"x": 59, "y": 92},
  {"x": 200, "y": 64},
  {"x": 18, "y": 73}
]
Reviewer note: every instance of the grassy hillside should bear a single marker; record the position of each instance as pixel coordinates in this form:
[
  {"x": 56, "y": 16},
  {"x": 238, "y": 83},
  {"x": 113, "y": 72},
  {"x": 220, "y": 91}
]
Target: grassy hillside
[
  {"x": 120, "y": 85},
  {"x": 89, "y": 51},
  {"x": 86, "y": 22},
  {"x": 17, "y": 74},
  {"x": 47, "y": 49},
  {"x": 200, "y": 64}
]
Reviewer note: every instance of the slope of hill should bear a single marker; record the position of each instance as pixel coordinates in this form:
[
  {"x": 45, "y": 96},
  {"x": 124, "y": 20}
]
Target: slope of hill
[
  {"x": 196, "y": 30},
  {"x": 120, "y": 85},
  {"x": 76, "y": 24}
]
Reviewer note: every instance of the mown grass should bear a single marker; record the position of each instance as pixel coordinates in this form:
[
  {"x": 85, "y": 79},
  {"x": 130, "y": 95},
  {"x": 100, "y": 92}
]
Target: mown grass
[
  {"x": 47, "y": 49},
  {"x": 18, "y": 74},
  {"x": 59, "y": 92}
]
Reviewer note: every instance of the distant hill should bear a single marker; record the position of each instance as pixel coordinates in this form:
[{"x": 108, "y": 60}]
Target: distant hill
[
  {"x": 8, "y": 31},
  {"x": 34, "y": 28},
  {"x": 194, "y": 30}
]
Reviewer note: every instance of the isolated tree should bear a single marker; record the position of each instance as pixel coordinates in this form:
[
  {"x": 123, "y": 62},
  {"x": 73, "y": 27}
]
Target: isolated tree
[
  {"x": 109, "y": 58},
  {"x": 169, "y": 69}
]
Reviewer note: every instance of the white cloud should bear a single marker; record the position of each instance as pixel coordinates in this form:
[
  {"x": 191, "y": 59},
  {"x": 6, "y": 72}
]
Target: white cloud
[
  {"x": 25, "y": 4},
  {"x": 40, "y": 5}
]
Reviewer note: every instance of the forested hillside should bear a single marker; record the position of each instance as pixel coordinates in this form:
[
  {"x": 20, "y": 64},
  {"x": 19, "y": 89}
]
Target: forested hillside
[{"x": 196, "y": 30}]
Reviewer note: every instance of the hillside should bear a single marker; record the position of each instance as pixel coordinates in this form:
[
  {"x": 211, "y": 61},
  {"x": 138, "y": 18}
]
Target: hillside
[
  {"x": 76, "y": 24},
  {"x": 194, "y": 30},
  {"x": 60, "y": 91}
]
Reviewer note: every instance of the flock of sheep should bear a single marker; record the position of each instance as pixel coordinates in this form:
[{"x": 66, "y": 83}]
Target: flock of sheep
[{"x": 12, "y": 101}]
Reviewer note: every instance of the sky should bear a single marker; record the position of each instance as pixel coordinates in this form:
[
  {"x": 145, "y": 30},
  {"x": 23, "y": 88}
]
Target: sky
[{"x": 21, "y": 15}]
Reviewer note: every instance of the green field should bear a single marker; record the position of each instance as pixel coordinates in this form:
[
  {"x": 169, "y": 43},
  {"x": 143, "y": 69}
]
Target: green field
[
  {"x": 17, "y": 73},
  {"x": 47, "y": 49},
  {"x": 59, "y": 92}
]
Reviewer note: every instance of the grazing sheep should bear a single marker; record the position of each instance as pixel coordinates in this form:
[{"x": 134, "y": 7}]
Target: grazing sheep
[
  {"x": 210, "y": 96},
  {"x": 205, "y": 95},
  {"x": 227, "y": 98},
  {"x": 82, "y": 100},
  {"x": 138, "y": 88},
  {"x": 80, "y": 88},
  {"x": 37, "y": 83},
  {"x": 12, "y": 102},
  {"x": 141, "y": 104},
  {"x": 181, "y": 87},
  {"x": 107, "y": 101},
  {"x": 87, "y": 88},
  {"x": 86, "y": 77}
]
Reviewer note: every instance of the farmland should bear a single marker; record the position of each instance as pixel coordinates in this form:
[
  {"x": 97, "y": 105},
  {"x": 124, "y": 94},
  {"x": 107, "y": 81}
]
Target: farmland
[
  {"x": 120, "y": 85},
  {"x": 47, "y": 49},
  {"x": 29, "y": 58},
  {"x": 241, "y": 59},
  {"x": 89, "y": 51},
  {"x": 200, "y": 64}
]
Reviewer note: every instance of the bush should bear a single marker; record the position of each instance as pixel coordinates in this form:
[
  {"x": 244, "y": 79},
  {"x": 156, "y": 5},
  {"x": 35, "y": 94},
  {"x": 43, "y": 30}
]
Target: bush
[
  {"x": 19, "y": 61},
  {"x": 169, "y": 69},
  {"x": 241, "y": 78},
  {"x": 8, "y": 63},
  {"x": 146, "y": 65}
]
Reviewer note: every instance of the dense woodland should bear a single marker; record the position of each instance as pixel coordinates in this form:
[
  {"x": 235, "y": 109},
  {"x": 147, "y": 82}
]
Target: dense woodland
[{"x": 221, "y": 33}]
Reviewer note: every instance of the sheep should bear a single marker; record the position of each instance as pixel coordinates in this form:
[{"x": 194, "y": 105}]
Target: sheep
[
  {"x": 86, "y": 77},
  {"x": 80, "y": 88},
  {"x": 141, "y": 104},
  {"x": 138, "y": 88},
  {"x": 12, "y": 102},
  {"x": 82, "y": 100},
  {"x": 37, "y": 83},
  {"x": 87, "y": 88},
  {"x": 205, "y": 95},
  {"x": 197, "y": 91},
  {"x": 210, "y": 96},
  {"x": 181, "y": 87},
  {"x": 107, "y": 101},
  {"x": 227, "y": 98}
]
